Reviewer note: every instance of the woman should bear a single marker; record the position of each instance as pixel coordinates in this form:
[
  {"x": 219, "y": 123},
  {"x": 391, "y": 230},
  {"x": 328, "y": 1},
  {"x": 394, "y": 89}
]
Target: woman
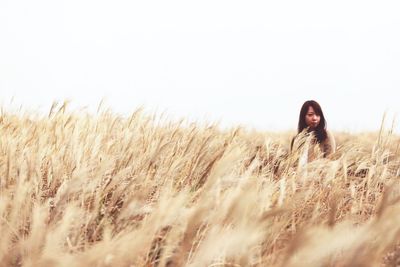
[{"x": 312, "y": 137}]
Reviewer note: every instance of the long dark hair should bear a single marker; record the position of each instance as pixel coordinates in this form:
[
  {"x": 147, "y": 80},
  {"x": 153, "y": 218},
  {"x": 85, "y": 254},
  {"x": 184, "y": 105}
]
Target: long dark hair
[{"x": 320, "y": 130}]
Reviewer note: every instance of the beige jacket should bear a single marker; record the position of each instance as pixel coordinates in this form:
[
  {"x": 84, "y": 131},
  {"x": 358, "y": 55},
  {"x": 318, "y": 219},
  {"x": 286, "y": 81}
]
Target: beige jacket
[{"x": 308, "y": 149}]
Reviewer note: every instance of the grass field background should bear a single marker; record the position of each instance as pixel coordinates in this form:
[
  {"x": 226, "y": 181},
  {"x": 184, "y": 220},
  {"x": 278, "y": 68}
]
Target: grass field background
[{"x": 80, "y": 189}]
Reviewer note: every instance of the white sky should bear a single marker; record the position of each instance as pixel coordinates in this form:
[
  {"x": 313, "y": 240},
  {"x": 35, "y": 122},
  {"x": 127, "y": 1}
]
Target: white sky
[{"x": 237, "y": 62}]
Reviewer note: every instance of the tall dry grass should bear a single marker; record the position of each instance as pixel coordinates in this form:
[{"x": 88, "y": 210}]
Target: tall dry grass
[{"x": 103, "y": 190}]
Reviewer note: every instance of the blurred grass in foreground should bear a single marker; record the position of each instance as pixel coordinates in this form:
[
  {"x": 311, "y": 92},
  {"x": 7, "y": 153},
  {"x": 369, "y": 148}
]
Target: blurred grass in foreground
[{"x": 102, "y": 190}]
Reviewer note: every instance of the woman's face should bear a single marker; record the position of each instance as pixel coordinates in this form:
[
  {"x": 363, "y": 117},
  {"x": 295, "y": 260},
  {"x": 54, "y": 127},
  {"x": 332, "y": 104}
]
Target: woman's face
[{"x": 312, "y": 119}]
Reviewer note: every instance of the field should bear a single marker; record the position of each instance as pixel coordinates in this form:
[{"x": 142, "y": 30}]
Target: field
[{"x": 80, "y": 189}]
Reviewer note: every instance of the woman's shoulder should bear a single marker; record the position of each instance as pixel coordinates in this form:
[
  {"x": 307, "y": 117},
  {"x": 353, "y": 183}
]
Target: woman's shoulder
[
  {"x": 330, "y": 142},
  {"x": 329, "y": 134}
]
